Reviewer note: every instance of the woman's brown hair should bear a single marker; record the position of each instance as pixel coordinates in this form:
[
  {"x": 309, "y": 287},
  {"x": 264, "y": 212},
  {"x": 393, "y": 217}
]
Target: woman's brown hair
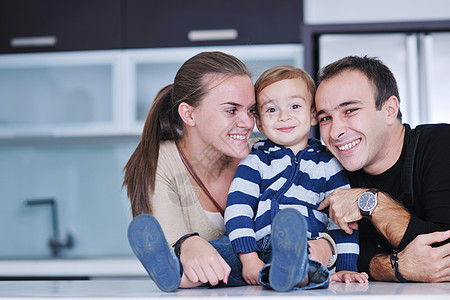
[{"x": 164, "y": 123}]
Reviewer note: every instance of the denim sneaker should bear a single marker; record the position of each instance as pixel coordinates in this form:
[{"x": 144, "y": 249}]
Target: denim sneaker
[
  {"x": 151, "y": 248},
  {"x": 289, "y": 250}
]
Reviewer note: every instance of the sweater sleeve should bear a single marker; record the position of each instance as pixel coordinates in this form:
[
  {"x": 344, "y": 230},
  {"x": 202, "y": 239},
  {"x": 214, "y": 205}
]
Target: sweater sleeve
[
  {"x": 347, "y": 247},
  {"x": 347, "y": 244},
  {"x": 242, "y": 203}
]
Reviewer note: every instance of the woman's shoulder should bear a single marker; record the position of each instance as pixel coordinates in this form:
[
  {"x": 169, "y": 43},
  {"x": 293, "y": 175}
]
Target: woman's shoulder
[{"x": 168, "y": 155}]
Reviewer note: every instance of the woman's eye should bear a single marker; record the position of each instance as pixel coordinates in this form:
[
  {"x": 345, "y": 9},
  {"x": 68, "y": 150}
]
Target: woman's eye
[
  {"x": 232, "y": 111},
  {"x": 252, "y": 111},
  {"x": 349, "y": 111}
]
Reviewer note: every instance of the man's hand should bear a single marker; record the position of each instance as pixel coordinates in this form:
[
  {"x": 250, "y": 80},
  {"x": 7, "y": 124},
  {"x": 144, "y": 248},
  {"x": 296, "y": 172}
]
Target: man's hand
[
  {"x": 421, "y": 262},
  {"x": 251, "y": 266},
  {"x": 344, "y": 209}
]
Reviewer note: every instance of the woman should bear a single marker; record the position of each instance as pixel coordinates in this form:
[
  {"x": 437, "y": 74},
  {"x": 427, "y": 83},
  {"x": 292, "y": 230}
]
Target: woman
[{"x": 205, "y": 119}]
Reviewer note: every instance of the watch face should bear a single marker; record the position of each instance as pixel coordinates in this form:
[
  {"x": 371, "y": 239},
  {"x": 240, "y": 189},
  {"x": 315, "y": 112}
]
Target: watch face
[{"x": 367, "y": 201}]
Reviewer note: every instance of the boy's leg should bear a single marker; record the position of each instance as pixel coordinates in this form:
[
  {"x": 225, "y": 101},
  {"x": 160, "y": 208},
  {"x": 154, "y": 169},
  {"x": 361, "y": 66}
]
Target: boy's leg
[
  {"x": 151, "y": 248},
  {"x": 289, "y": 265}
]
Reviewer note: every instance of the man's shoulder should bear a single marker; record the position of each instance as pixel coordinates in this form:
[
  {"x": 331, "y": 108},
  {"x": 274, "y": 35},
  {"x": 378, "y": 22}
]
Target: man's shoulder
[
  {"x": 433, "y": 133},
  {"x": 441, "y": 128}
]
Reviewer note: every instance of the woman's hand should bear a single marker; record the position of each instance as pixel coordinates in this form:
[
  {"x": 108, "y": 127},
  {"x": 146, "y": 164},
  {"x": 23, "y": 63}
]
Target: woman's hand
[
  {"x": 251, "y": 266},
  {"x": 350, "y": 276},
  {"x": 202, "y": 263}
]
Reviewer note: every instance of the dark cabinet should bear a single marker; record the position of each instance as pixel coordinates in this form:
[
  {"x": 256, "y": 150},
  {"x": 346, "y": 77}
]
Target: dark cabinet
[
  {"x": 70, "y": 25},
  {"x": 59, "y": 25},
  {"x": 173, "y": 23}
]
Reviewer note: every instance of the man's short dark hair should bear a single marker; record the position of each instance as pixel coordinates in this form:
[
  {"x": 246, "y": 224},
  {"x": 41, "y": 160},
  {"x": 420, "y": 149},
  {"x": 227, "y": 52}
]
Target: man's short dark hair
[{"x": 375, "y": 70}]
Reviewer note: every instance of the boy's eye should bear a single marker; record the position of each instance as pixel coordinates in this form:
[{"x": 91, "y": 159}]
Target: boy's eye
[
  {"x": 271, "y": 110},
  {"x": 327, "y": 118},
  {"x": 295, "y": 106}
]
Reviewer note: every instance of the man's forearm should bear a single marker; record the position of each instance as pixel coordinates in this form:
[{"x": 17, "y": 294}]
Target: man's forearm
[
  {"x": 391, "y": 219},
  {"x": 380, "y": 268}
]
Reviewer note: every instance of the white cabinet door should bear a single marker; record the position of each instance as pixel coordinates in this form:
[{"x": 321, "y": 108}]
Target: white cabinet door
[{"x": 58, "y": 92}]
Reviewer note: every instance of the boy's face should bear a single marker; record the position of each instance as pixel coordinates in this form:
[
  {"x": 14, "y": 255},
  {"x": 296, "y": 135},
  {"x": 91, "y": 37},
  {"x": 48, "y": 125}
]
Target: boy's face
[{"x": 286, "y": 114}]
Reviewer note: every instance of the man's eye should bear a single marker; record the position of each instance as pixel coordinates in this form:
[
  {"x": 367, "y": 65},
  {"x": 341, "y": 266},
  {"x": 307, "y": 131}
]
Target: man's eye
[{"x": 349, "y": 111}]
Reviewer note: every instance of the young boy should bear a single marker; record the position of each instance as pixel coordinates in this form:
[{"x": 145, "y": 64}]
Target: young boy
[{"x": 272, "y": 203}]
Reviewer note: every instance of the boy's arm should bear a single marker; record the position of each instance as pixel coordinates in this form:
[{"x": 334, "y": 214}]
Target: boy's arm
[
  {"x": 347, "y": 244},
  {"x": 242, "y": 202}
]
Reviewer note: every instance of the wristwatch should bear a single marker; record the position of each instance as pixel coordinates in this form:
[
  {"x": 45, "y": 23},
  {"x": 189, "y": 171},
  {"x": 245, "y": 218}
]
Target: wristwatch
[{"x": 367, "y": 202}]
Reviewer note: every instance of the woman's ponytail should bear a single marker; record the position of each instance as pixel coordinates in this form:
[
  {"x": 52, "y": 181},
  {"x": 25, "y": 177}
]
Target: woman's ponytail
[{"x": 140, "y": 170}]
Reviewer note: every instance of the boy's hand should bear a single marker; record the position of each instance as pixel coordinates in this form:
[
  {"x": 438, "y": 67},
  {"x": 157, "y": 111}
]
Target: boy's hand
[
  {"x": 251, "y": 265},
  {"x": 350, "y": 276}
]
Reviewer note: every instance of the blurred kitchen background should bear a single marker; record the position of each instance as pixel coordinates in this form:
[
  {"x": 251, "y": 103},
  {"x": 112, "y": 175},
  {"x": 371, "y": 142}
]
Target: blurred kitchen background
[{"x": 77, "y": 78}]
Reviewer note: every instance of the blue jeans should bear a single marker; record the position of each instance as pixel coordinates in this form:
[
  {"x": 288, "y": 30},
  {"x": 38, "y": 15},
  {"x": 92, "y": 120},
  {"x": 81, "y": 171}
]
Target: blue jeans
[{"x": 318, "y": 274}]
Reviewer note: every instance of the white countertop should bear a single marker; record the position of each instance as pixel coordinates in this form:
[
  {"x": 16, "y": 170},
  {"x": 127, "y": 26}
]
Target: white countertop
[
  {"x": 102, "y": 267},
  {"x": 146, "y": 289}
]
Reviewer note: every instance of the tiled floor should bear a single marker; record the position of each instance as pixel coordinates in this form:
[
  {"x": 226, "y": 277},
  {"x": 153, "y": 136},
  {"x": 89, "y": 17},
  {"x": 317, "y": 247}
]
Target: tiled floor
[{"x": 146, "y": 289}]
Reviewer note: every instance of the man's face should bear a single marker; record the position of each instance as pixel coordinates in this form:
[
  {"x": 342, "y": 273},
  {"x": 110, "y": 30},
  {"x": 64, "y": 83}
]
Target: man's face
[{"x": 350, "y": 125}]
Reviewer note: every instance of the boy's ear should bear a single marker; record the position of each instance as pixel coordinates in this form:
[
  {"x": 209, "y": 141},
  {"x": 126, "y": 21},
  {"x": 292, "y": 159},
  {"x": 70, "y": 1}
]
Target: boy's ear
[
  {"x": 258, "y": 123},
  {"x": 186, "y": 113},
  {"x": 314, "y": 120}
]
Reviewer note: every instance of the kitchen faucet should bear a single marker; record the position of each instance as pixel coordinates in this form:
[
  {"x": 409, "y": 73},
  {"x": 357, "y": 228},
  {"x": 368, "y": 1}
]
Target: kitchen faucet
[{"x": 55, "y": 243}]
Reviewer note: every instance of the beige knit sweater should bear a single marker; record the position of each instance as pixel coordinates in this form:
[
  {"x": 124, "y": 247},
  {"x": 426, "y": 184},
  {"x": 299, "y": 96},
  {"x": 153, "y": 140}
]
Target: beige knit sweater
[{"x": 175, "y": 203}]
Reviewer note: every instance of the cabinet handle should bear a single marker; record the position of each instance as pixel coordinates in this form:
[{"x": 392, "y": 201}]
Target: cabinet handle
[
  {"x": 212, "y": 35},
  {"x": 34, "y": 41}
]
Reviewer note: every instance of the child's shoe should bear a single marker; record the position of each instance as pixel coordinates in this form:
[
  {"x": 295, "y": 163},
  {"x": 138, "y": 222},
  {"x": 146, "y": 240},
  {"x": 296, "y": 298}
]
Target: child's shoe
[
  {"x": 289, "y": 250},
  {"x": 151, "y": 248}
]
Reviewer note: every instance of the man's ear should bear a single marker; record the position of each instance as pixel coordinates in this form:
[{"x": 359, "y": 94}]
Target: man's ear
[
  {"x": 313, "y": 116},
  {"x": 186, "y": 113},
  {"x": 258, "y": 123},
  {"x": 391, "y": 108}
]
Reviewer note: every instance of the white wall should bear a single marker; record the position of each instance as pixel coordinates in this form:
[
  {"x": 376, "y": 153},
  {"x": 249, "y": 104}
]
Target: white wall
[{"x": 366, "y": 11}]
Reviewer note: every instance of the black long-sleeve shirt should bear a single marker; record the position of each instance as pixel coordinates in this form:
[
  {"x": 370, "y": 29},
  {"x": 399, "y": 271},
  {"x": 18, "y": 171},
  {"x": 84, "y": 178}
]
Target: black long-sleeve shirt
[{"x": 430, "y": 210}]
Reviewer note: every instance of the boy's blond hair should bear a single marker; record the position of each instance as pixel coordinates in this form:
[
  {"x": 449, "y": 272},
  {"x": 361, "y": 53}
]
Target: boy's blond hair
[{"x": 278, "y": 73}]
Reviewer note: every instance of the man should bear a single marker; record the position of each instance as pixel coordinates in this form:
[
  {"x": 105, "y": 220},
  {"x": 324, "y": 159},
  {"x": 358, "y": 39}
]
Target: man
[{"x": 400, "y": 176}]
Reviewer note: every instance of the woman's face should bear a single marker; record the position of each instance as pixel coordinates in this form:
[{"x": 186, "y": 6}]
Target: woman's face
[{"x": 224, "y": 119}]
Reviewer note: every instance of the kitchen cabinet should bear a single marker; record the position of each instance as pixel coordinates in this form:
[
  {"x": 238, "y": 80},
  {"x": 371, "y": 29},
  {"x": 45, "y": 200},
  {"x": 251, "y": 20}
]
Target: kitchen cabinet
[
  {"x": 54, "y": 25},
  {"x": 59, "y": 94},
  {"x": 174, "y": 23}
]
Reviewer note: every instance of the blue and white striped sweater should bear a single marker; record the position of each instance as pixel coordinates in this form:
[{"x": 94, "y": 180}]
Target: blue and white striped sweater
[{"x": 272, "y": 178}]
